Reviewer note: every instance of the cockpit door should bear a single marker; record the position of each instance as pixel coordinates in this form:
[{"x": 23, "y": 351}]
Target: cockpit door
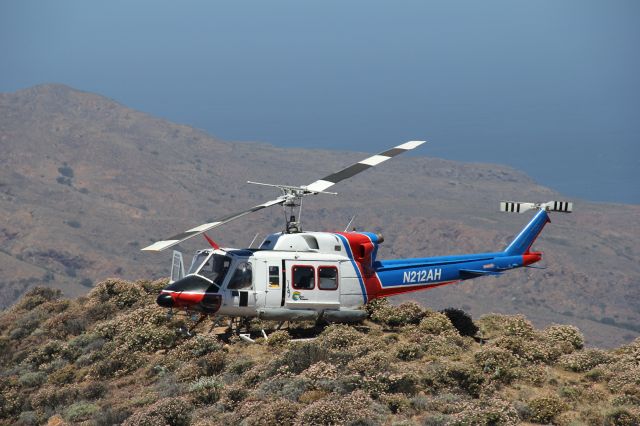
[{"x": 241, "y": 289}]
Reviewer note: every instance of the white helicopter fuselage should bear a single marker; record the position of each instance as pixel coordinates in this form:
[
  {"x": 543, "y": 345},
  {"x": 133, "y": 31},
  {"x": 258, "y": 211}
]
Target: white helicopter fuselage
[{"x": 293, "y": 276}]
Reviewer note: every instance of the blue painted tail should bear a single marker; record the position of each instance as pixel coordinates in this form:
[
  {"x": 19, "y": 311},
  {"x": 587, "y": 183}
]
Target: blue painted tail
[{"x": 528, "y": 235}]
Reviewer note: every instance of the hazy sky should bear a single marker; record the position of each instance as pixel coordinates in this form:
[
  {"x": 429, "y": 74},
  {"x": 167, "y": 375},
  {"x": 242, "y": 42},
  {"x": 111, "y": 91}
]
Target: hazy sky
[{"x": 547, "y": 86}]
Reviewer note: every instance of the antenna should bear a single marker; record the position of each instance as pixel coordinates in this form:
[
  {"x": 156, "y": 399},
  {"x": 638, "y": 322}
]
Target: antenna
[
  {"x": 346, "y": 228},
  {"x": 254, "y": 239}
]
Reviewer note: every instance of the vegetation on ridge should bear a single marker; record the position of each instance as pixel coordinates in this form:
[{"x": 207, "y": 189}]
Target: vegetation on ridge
[{"x": 113, "y": 357}]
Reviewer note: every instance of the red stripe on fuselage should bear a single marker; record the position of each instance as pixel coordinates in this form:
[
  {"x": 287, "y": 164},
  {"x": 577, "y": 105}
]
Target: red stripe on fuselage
[
  {"x": 371, "y": 281},
  {"x": 182, "y": 299}
]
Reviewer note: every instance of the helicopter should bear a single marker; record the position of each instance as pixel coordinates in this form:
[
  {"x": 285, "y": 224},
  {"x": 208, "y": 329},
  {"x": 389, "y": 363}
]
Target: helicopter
[{"x": 324, "y": 276}]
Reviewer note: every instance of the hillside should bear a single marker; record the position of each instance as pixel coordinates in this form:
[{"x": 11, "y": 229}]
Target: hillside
[
  {"x": 86, "y": 182},
  {"x": 113, "y": 356}
]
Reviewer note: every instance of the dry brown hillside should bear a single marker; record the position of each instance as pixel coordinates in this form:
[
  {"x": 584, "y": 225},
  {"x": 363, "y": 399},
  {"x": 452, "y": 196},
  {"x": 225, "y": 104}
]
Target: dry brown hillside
[
  {"x": 86, "y": 182},
  {"x": 113, "y": 357}
]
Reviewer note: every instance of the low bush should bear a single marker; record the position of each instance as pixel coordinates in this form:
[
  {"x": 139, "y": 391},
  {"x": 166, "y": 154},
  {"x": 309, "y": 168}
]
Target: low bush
[
  {"x": 121, "y": 293},
  {"x": 290, "y": 388},
  {"x": 32, "y": 379},
  {"x": 205, "y": 390},
  {"x": 498, "y": 363},
  {"x": 436, "y": 323},
  {"x": 171, "y": 411},
  {"x": 408, "y": 351},
  {"x": 278, "y": 338},
  {"x": 266, "y": 413},
  {"x": 80, "y": 411},
  {"x": 491, "y": 411},
  {"x": 301, "y": 356},
  {"x": 340, "y": 336},
  {"x": 561, "y": 334},
  {"x": 622, "y": 416},
  {"x": 395, "y": 316},
  {"x": 36, "y": 297},
  {"x": 544, "y": 409},
  {"x": 336, "y": 410},
  {"x": 581, "y": 361}
]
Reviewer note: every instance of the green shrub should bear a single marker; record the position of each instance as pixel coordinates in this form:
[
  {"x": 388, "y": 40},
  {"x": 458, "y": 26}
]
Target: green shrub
[
  {"x": 36, "y": 297},
  {"x": 172, "y": 411},
  {"x": 371, "y": 363},
  {"x": 279, "y": 338},
  {"x": 622, "y": 416},
  {"x": 408, "y": 351},
  {"x": 544, "y": 409},
  {"x": 395, "y": 316},
  {"x": 145, "y": 329},
  {"x": 121, "y": 293},
  {"x": 32, "y": 379},
  {"x": 565, "y": 334},
  {"x": 284, "y": 387},
  {"x": 340, "y": 336},
  {"x": 486, "y": 412},
  {"x": 301, "y": 356},
  {"x": 212, "y": 363},
  {"x": 241, "y": 365},
  {"x": 436, "y": 323},
  {"x": 205, "y": 390},
  {"x": 622, "y": 377},
  {"x": 396, "y": 403},
  {"x": 195, "y": 347},
  {"x": 321, "y": 371},
  {"x": 498, "y": 363},
  {"x": 336, "y": 409},
  {"x": 442, "y": 345},
  {"x": 28, "y": 418},
  {"x": 266, "y": 413},
  {"x": 582, "y": 361},
  {"x": 466, "y": 377},
  {"x": 63, "y": 375},
  {"x": 50, "y": 397},
  {"x": 80, "y": 411}
]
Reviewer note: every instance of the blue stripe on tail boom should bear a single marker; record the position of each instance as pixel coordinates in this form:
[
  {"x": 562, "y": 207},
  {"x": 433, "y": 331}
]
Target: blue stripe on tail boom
[{"x": 527, "y": 236}]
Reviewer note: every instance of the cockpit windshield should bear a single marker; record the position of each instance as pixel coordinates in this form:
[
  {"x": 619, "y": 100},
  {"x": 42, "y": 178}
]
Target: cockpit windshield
[{"x": 214, "y": 268}]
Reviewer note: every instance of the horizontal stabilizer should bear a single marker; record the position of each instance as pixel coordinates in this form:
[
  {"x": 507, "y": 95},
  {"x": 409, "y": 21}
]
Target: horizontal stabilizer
[
  {"x": 466, "y": 274},
  {"x": 550, "y": 206}
]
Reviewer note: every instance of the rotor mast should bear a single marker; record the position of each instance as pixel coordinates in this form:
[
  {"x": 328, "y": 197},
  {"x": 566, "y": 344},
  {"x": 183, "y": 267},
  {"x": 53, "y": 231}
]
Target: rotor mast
[{"x": 292, "y": 200}]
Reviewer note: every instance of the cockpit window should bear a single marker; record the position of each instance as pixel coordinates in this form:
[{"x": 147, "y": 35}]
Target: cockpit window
[{"x": 215, "y": 268}]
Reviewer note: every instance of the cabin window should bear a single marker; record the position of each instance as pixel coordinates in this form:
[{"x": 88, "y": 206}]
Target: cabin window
[
  {"x": 327, "y": 278},
  {"x": 304, "y": 277},
  {"x": 242, "y": 277},
  {"x": 274, "y": 276}
]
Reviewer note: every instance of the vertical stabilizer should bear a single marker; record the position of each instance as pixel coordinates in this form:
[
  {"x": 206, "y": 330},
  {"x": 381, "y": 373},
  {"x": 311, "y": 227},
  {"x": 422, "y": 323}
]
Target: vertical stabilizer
[{"x": 524, "y": 240}]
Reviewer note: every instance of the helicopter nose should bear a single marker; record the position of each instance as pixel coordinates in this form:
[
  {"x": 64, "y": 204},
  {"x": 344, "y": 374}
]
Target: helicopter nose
[{"x": 165, "y": 300}]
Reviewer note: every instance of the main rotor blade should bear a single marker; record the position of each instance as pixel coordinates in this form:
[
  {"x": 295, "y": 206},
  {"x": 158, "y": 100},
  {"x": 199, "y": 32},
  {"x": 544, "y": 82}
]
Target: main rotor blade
[
  {"x": 360, "y": 166},
  {"x": 177, "y": 239}
]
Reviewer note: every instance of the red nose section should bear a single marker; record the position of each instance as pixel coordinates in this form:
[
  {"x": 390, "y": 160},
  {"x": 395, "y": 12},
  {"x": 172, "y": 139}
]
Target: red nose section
[{"x": 529, "y": 258}]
